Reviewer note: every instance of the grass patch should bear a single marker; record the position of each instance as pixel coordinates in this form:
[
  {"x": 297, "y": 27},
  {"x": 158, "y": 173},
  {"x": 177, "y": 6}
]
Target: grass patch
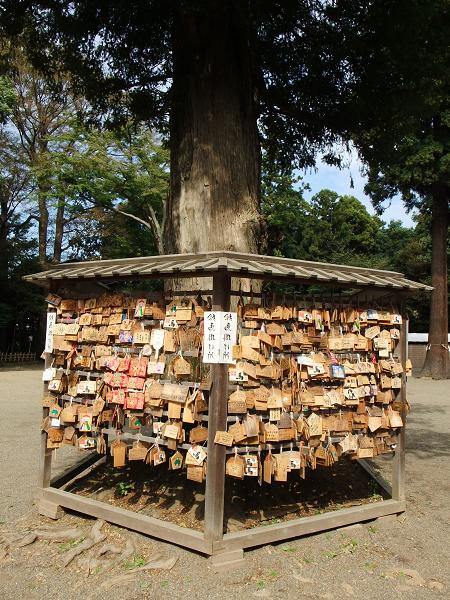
[
  {"x": 289, "y": 549},
  {"x": 350, "y": 546},
  {"x": 66, "y": 546},
  {"x": 135, "y": 562}
]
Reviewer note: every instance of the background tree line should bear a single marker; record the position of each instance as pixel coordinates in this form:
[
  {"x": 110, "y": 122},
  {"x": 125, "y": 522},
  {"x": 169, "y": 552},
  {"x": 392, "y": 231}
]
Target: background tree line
[
  {"x": 224, "y": 84},
  {"x": 74, "y": 191}
]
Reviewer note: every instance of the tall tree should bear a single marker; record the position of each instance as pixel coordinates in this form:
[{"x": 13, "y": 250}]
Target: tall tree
[
  {"x": 210, "y": 72},
  {"x": 40, "y": 112},
  {"x": 124, "y": 171},
  {"x": 405, "y": 139}
]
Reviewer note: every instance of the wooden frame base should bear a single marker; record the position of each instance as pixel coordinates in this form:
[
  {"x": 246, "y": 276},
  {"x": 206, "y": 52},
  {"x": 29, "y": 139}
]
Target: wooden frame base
[{"x": 55, "y": 497}]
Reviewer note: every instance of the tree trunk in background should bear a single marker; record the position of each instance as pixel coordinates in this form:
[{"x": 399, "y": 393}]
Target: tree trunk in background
[
  {"x": 59, "y": 232},
  {"x": 43, "y": 225},
  {"x": 3, "y": 243},
  {"x": 215, "y": 153},
  {"x": 437, "y": 362}
]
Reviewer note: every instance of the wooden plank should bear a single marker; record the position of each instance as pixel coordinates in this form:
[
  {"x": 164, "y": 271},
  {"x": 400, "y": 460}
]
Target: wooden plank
[
  {"x": 46, "y": 453},
  {"x": 217, "y": 420},
  {"x": 156, "y": 528},
  {"x": 307, "y": 525},
  {"x": 368, "y": 466},
  {"x": 81, "y": 469},
  {"x": 398, "y": 467}
]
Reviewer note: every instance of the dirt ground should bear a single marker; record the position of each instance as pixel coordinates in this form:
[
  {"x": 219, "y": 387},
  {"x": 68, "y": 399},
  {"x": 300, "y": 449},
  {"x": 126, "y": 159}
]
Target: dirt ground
[{"x": 405, "y": 557}]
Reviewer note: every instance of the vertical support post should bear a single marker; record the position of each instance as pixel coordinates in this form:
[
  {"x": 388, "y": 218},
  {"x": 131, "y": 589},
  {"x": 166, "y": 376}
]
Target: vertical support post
[
  {"x": 46, "y": 453},
  {"x": 46, "y": 508},
  {"x": 398, "y": 468},
  {"x": 217, "y": 420}
]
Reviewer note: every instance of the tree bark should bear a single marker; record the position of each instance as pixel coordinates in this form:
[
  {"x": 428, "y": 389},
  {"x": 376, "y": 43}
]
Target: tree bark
[
  {"x": 3, "y": 243},
  {"x": 59, "y": 231},
  {"x": 215, "y": 152},
  {"x": 43, "y": 224},
  {"x": 437, "y": 362}
]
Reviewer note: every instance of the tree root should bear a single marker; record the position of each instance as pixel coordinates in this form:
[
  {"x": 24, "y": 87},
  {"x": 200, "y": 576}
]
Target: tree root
[
  {"x": 155, "y": 562},
  {"x": 100, "y": 565},
  {"x": 95, "y": 537}
]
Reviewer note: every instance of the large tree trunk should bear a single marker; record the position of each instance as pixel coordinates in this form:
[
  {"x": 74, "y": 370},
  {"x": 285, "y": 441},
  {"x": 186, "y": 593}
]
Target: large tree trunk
[
  {"x": 215, "y": 153},
  {"x": 437, "y": 363}
]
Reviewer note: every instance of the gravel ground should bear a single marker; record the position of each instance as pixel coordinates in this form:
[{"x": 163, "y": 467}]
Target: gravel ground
[{"x": 391, "y": 558}]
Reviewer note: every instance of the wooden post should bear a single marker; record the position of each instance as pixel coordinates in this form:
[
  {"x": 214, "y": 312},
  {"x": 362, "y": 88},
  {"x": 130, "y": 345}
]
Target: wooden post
[
  {"x": 217, "y": 413},
  {"x": 398, "y": 469},
  {"x": 46, "y": 508}
]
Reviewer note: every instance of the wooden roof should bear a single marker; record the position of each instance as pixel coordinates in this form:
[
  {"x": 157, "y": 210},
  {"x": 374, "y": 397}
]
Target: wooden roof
[{"x": 236, "y": 263}]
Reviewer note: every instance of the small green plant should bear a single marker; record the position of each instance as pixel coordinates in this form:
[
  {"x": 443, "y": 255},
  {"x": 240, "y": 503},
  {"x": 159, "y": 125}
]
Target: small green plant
[
  {"x": 289, "y": 549},
  {"x": 374, "y": 490},
  {"x": 370, "y": 565},
  {"x": 307, "y": 560},
  {"x": 350, "y": 546},
  {"x": 331, "y": 554},
  {"x": 164, "y": 583},
  {"x": 64, "y": 547},
  {"x": 123, "y": 488},
  {"x": 273, "y": 574},
  {"x": 135, "y": 562},
  {"x": 372, "y": 529},
  {"x": 261, "y": 584}
]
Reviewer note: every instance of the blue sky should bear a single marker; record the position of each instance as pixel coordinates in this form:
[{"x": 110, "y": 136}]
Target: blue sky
[{"x": 339, "y": 181}]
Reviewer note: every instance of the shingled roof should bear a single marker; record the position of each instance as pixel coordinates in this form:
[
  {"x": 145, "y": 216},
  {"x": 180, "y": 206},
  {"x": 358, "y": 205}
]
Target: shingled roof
[{"x": 236, "y": 263}]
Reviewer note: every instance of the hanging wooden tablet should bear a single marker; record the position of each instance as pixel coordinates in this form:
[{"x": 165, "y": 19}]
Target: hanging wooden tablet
[
  {"x": 237, "y": 403},
  {"x": 237, "y": 431},
  {"x": 198, "y": 434},
  {"x": 223, "y": 438},
  {"x": 176, "y": 461},
  {"x": 235, "y": 467},
  {"x": 251, "y": 466},
  {"x": 194, "y": 473},
  {"x": 269, "y": 467},
  {"x": 174, "y": 410},
  {"x": 119, "y": 452}
]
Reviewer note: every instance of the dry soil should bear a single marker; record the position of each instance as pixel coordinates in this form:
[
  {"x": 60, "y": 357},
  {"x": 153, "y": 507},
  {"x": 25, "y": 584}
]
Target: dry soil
[{"x": 392, "y": 558}]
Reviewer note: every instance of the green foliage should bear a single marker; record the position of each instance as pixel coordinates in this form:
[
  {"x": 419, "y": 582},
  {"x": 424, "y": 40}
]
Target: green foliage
[
  {"x": 7, "y": 98},
  {"x": 117, "y": 180},
  {"x": 339, "y": 229},
  {"x": 123, "y": 488}
]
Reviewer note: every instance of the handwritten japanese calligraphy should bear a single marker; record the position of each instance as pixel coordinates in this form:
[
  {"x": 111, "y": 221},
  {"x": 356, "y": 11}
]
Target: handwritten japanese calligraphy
[
  {"x": 219, "y": 336},
  {"x": 51, "y": 321}
]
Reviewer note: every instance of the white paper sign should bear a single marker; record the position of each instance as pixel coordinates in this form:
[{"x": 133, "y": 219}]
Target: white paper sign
[
  {"x": 219, "y": 337},
  {"x": 51, "y": 322}
]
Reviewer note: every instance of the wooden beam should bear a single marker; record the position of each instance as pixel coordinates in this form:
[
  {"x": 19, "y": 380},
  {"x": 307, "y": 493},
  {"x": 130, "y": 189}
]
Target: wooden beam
[
  {"x": 398, "y": 467},
  {"x": 369, "y": 468},
  {"x": 307, "y": 525},
  {"x": 217, "y": 420},
  {"x": 156, "y": 528},
  {"x": 81, "y": 469},
  {"x": 46, "y": 453}
]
